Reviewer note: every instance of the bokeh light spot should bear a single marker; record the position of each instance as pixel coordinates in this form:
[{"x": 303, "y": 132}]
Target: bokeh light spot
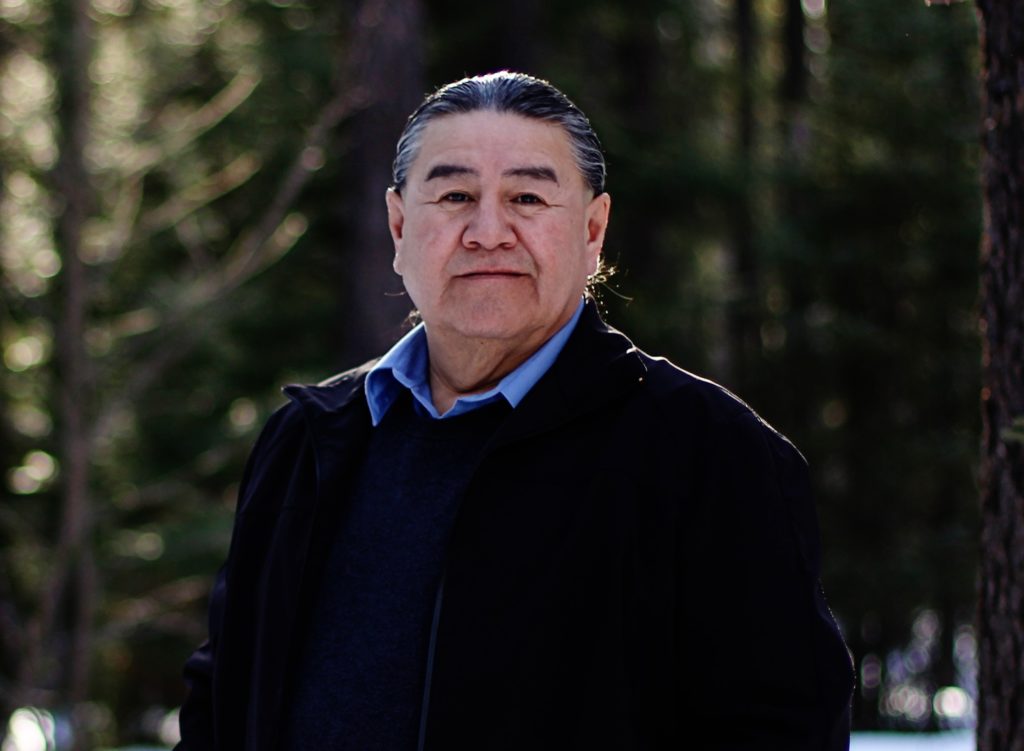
[
  {"x": 870, "y": 672},
  {"x": 24, "y": 353},
  {"x": 40, "y": 465},
  {"x": 952, "y": 703},
  {"x": 242, "y": 414},
  {"x": 30, "y": 420},
  {"x": 170, "y": 732},
  {"x": 29, "y": 729},
  {"x": 814, "y": 8},
  {"x": 147, "y": 545},
  {"x": 833, "y": 414}
]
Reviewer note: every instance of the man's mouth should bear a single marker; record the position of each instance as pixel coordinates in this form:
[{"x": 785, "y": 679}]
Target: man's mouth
[{"x": 490, "y": 273}]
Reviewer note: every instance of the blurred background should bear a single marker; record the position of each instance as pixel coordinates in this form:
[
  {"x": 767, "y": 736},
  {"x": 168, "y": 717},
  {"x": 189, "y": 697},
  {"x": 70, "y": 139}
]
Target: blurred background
[{"x": 192, "y": 216}]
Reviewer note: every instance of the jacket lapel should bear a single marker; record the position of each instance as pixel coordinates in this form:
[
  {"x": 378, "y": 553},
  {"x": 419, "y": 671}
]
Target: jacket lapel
[
  {"x": 338, "y": 425},
  {"x": 597, "y": 365}
]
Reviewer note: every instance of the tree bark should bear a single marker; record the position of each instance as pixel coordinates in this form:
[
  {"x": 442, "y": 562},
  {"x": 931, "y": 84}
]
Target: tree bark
[
  {"x": 1001, "y": 603},
  {"x": 793, "y": 84},
  {"x": 791, "y": 204},
  {"x": 390, "y": 69},
  {"x": 74, "y": 543},
  {"x": 793, "y": 87},
  {"x": 66, "y": 610},
  {"x": 744, "y": 335},
  {"x": 520, "y": 46}
]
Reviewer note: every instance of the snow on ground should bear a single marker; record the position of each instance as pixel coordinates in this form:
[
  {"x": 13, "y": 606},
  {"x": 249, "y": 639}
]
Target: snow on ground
[{"x": 958, "y": 740}]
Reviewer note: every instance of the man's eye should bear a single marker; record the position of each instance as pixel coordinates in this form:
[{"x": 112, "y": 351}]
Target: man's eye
[
  {"x": 455, "y": 197},
  {"x": 528, "y": 198}
]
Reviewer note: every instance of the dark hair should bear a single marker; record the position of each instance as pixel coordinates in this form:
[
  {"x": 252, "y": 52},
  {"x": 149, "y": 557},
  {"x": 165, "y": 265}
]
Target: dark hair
[{"x": 516, "y": 93}]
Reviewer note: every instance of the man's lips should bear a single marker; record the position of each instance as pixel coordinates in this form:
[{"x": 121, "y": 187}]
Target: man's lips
[{"x": 490, "y": 273}]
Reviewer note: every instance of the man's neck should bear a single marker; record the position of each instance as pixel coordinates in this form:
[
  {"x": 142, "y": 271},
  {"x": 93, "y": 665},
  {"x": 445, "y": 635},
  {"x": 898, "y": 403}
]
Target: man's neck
[{"x": 459, "y": 366}]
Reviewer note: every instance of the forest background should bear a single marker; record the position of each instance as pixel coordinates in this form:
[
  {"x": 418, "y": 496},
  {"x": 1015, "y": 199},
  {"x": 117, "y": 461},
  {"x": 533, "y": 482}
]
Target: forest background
[{"x": 192, "y": 216}]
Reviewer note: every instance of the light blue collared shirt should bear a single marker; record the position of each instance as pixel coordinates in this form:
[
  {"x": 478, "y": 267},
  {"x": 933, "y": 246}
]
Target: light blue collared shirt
[{"x": 406, "y": 364}]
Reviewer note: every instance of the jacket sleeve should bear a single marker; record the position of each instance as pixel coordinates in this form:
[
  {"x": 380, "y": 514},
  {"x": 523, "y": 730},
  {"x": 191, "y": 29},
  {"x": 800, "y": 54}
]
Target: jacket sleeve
[
  {"x": 763, "y": 664},
  {"x": 198, "y": 717}
]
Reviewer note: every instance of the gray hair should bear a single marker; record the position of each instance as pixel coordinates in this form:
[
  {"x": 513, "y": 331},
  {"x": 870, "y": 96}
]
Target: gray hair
[{"x": 515, "y": 93}]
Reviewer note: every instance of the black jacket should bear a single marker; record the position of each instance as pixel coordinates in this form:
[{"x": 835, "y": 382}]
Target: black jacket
[{"x": 634, "y": 566}]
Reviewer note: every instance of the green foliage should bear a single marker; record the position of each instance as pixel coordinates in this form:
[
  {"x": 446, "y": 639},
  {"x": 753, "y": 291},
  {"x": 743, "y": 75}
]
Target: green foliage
[
  {"x": 865, "y": 218},
  {"x": 1015, "y": 433}
]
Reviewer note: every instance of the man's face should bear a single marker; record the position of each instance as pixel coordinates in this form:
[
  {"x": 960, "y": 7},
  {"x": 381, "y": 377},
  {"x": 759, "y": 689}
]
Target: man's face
[{"x": 496, "y": 231}]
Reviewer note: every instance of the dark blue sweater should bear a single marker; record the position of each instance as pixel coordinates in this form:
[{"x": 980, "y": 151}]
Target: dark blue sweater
[{"x": 359, "y": 680}]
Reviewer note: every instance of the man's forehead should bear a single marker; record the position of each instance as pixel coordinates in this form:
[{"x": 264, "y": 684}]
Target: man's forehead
[
  {"x": 532, "y": 172},
  {"x": 511, "y": 144}
]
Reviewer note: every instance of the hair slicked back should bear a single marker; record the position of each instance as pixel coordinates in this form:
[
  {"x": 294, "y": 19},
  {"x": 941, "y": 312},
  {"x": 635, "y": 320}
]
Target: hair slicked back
[{"x": 515, "y": 93}]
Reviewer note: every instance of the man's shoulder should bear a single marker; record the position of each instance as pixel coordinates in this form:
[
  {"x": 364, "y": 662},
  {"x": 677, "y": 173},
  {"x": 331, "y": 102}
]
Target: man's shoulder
[
  {"x": 670, "y": 397},
  {"x": 285, "y": 445},
  {"x": 305, "y": 403},
  {"x": 673, "y": 387},
  {"x": 687, "y": 400},
  {"x": 330, "y": 394}
]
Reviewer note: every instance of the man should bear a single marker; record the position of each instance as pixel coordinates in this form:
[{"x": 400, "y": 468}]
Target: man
[{"x": 516, "y": 530}]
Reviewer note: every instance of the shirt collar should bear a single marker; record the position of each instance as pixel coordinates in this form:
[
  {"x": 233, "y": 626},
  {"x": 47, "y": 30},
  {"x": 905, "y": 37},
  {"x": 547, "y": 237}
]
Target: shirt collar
[{"x": 406, "y": 365}]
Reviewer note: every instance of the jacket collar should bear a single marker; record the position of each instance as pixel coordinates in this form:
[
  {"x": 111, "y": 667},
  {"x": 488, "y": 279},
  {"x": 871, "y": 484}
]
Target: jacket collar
[
  {"x": 597, "y": 364},
  {"x": 332, "y": 395}
]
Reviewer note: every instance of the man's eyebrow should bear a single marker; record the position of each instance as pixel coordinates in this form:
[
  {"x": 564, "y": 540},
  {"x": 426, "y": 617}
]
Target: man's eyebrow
[
  {"x": 439, "y": 171},
  {"x": 448, "y": 170},
  {"x": 537, "y": 173}
]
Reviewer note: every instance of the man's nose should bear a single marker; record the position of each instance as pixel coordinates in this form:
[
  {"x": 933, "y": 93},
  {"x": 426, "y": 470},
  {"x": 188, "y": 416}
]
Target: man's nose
[{"x": 490, "y": 227}]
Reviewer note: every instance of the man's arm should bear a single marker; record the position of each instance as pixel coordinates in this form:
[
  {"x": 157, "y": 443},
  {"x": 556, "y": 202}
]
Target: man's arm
[
  {"x": 273, "y": 460},
  {"x": 196, "y": 716},
  {"x": 763, "y": 665}
]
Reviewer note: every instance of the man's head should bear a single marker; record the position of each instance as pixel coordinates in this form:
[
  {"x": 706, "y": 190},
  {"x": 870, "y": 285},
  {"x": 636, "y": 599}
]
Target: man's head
[
  {"x": 512, "y": 93},
  {"x": 498, "y": 217}
]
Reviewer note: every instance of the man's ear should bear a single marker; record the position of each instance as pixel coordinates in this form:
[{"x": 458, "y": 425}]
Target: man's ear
[
  {"x": 596, "y": 217},
  {"x": 396, "y": 222}
]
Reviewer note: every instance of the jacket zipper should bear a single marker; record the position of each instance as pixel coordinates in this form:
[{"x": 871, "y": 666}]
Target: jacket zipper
[{"x": 425, "y": 703}]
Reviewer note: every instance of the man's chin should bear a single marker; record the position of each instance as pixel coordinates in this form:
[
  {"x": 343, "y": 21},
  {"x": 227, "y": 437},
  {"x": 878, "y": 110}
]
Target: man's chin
[
  {"x": 487, "y": 331},
  {"x": 482, "y": 315},
  {"x": 491, "y": 325}
]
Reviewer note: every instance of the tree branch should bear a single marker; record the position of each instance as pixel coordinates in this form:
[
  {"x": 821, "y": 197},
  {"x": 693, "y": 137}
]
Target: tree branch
[{"x": 257, "y": 249}]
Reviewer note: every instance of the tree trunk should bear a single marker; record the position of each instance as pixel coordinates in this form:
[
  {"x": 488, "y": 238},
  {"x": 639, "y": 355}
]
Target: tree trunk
[
  {"x": 74, "y": 547},
  {"x": 520, "y": 45},
  {"x": 743, "y": 319},
  {"x": 637, "y": 50},
  {"x": 792, "y": 204},
  {"x": 793, "y": 85},
  {"x": 390, "y": 70},
  {"x": 55, "y": 666},
  {"x": 1001, "y": 605}
]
